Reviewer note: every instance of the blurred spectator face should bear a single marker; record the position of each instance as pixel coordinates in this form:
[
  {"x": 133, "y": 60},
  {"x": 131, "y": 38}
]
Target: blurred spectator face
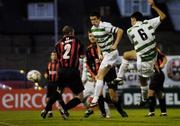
[
  {"x": 91, "y": 37},
  {"x": 95, "y": 21},
  {"x": 53, "y": 56}
]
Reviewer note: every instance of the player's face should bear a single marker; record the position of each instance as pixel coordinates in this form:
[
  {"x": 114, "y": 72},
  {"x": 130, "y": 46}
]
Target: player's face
[
  {"x": 133, "y": 21},
  {"x": 92, "y": 39},
  {"x": 53, "y": 56},
  {"x": 95, "y": 21}
]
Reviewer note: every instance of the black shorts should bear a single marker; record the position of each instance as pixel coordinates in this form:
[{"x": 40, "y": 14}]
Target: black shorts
[
  {"x": 51, "y": 89},
  {"x": 157, "y": 81},
  {"x": 69, "y": 77},
  {"x": 110, "y": 76}
]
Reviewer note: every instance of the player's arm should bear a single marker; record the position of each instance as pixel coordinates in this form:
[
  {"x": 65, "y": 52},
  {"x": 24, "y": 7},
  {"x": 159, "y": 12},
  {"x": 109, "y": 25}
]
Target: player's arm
[
  {"x": 119, "y": 35},
  {"x": 161, "y": 14},
  {"x": 84, "y": 71},
  {"x": 164, "y": 58},
  {"x": 99, "y": 52},
  {"x": 164, "y": 62}
]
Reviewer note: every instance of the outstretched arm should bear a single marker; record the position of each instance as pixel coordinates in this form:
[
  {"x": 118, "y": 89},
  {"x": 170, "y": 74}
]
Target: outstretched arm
[{"x": 160, "y": 13}]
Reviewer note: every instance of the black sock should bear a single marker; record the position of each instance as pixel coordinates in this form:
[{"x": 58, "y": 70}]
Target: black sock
[
  {"x": 51, "y": 101},
  {"x": 101, "y": 104},
  {"x": 152, "y": 103},
  {"x": 162, "y": 104},
  {"x": 73, "y": 103},
  {"x": 118, "y": 105},
  {"x": 61, "y": 102}
]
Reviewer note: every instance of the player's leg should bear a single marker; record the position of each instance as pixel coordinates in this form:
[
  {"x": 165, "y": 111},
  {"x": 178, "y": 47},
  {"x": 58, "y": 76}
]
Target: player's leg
[
  {"x": 152, "y": 103},
  {"x": 162, "y": 103},
  {"x": 87, "y": 93},
  {"x": 117, "y": 102},
  {"x": 160, "y": 94},
  {"x": 48, "y": 95},
  {"x": 110, "y": 59},
  {"x": 75, "y": 101},
  {"x": 145, "y": 71},
  {"x": 111, "y": 75},
  {"x": 62, "y": 107},
  {"x": 101, "y": 101},
  {"x": 128, "y": 55},
  {"x": 75, "y": 84},
  {"x": 99, "y": 84},
  {"x": 49, "y": 104},
  {"x": 144, "y": 91}
]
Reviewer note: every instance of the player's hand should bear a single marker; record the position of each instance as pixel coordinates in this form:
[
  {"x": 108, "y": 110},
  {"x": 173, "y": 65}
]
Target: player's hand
[
  {"x": 151, "y": 3},
  {"x": 161, "y": 66},
  {"x": 113, "y": 47},
  {"x": 84, "y": 81},
  {"x": 100, "y": 57}
]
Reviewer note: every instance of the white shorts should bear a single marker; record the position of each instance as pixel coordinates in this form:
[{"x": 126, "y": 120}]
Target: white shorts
[
  {"x": 89, "y": 88},
  {"x": 146, "y": 69},
  {"x": 111, "y": 58}
]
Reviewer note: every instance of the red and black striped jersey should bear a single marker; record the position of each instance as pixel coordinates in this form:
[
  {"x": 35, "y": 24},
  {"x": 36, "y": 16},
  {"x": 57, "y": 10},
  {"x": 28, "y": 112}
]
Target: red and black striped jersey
[
  {"x": 52, "y": 71},
  {"x": 69, "y": 50},
  {"x": 93, "y": 61}
]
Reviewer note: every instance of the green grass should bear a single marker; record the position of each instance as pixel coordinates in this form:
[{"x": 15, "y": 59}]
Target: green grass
[{"x": 136, "y": 118}]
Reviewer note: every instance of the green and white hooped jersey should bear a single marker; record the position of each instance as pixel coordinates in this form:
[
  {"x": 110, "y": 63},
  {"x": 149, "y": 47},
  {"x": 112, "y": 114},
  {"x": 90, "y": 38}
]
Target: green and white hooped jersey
[
  {"x": 142, "y": 36},
  {"x": 104, "y": 35}
]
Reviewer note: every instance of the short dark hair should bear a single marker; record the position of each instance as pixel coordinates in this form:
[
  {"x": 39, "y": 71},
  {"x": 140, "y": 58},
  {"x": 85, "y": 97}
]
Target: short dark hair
[
  {"x": 95, "y": 13},
  {"x": 138, "y": 16},
  {"x": 67, "y": 30},
  {"x": 53, "y": 51}
]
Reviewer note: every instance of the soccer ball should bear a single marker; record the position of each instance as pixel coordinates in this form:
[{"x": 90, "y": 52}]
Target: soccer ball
[{"x": 34, "y": 76}]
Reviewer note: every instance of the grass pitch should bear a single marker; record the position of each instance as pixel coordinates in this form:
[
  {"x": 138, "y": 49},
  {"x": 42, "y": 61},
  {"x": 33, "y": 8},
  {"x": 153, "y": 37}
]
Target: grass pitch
[{"x": 136, "y": 118}]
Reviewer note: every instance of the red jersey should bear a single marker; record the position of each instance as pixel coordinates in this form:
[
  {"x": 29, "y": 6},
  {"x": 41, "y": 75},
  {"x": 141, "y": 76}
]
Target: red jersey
[
  {"x": 68, "y": 51},
  {"x": 93, "y": 61},
  {"x": 52, "y": 71}
]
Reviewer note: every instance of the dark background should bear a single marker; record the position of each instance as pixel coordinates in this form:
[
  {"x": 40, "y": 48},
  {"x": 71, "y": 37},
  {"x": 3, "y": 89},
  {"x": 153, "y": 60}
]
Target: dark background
[{"x": 26, "y": 44}]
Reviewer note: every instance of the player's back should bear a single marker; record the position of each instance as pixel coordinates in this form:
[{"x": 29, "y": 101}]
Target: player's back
[
  {"x": 69, "y": 50},
  {"x": 143, "y": 38}
]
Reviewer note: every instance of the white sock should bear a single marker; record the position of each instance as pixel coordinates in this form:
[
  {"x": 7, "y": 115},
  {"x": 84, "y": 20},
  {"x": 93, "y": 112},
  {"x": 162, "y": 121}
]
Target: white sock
[
  {"x": 122, "y": 68},
  {"x": 98, "y": 89},
  {"x": 144, "y": 92},
  {"x": 106, "y": 106},
  {"x": 49, "y": 112}
]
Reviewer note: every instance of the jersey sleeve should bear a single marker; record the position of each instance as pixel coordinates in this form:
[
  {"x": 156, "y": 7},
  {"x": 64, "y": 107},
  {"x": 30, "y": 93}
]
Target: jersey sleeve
[
  {"x": 84, "y": 71},
  {"x": 129, "y": 35},
  {"x": 110, "y": 28},
  {"x": 155, "y": 22}
]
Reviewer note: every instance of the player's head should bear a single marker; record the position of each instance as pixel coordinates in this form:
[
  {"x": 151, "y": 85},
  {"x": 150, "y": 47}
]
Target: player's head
[
  {"x": 68, "y": 30},
  {"x": 95, "y": 18},
  {"x": 137, "y": 16},
  {"x": 53, "y": 56},
  {"x": 91, "y": 37}
]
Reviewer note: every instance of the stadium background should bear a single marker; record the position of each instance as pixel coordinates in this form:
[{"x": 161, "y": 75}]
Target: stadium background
[{"x": 27, "y": 40}]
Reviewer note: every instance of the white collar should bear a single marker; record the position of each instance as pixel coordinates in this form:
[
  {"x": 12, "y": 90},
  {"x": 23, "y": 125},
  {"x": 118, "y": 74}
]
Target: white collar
[{"x": 138, "y": 23}]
